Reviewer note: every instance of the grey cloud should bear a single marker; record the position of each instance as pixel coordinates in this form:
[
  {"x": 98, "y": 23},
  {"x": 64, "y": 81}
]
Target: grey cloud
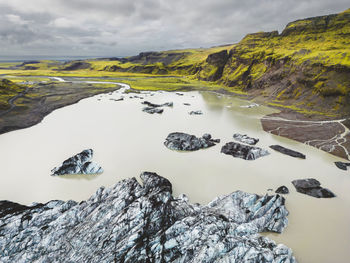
[{"x": 123, "y": 27}]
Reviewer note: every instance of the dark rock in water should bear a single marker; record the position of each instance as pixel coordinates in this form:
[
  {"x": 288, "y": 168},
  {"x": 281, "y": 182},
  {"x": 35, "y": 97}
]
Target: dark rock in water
[
  {"x": 185, "y": 142},
  {"x": 152, "y": 110},
  {"x": 197, "y": 112},
  {"x": 187, "y": 104},
  {"x": 287, "y": 151},
  {"x": 155, "y": 108},
  {"x": 78, "y": 164},
  {"x": 120, "y": 99},
  {"x": 135, "y": 223},
  {"x": 245, "y": 139},
  {"x": 150, "y": 104},
  {"x": 342, "y": 165},
  {"x": 243, "y": 151},
  {"x": 282, "y": 190},
  {"x": 312, "y": 187}
]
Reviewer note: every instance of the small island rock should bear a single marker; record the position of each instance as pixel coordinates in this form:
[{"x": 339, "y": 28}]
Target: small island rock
[
  {"x": 312, "y": 187},
  {"x": 342, "y": 165},
  {"x": 243, "y": 138},
  {"x": 185, "y": 142},
  {"x": 78, "y": 164},
  {"x": 243, "y": 151},
  {"x": 287, "y": 151}
]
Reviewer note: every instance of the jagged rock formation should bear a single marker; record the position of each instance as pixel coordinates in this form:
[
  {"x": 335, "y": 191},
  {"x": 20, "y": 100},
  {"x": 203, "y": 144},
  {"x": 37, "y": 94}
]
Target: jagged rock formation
[
  {"x": 180, "y": 141},
  {"x": 312, "y": 187},
  {"x": 244, "y": 138},
  {"x": 287, "y": 151},
  {"x": 243, "y": 151},
  {"x": 78, "y": 164},
  {"x": 132, "y": 223},
  {"x": 282, "y": 190}
]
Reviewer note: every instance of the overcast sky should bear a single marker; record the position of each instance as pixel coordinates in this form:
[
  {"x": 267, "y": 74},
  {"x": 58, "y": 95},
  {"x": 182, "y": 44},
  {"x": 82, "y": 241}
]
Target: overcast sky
[{"x": 127, "y": 27}]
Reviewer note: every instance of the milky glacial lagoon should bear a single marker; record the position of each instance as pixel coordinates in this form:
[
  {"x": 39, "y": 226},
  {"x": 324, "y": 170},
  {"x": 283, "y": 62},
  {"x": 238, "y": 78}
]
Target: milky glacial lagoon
[{"x": 127, "y": 141}]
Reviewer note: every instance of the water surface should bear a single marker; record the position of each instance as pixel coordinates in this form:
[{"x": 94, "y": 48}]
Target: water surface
[{"x": 127, "y": 141}]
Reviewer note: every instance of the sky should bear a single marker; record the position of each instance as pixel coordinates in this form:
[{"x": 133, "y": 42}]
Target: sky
[{"x": 106, "y": 28}]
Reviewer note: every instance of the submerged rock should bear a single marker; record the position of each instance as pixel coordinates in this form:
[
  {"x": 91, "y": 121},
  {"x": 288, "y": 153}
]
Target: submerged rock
[
  {"x": 78, "y": 164},
  {"x": 245, "y": 139},
  {"x": 197, "y": 112},
  {"x": 342, "y": 165},
  {"x": 135, "y": 223},
  {"x": 185, "y": 142},
  {"x": 312, "y": 187},
  {"x": 152, "y": 110},
  {"x": 282, "y": 190},
  {"x": 287, "y": 151},
  {"x": 243, "y": 151}
]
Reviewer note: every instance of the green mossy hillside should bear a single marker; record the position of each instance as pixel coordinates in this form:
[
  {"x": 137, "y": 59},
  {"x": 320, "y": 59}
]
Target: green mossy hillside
[
  {"x": 307, "y": 65},
  {"x": 8, "y": 90}
]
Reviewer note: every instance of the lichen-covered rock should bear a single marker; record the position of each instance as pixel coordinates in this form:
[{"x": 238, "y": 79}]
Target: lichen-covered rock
[
  {"x": 287, "y": 151},
  {"x": 243, "y": 151},
  {"x": 135, "y": 223},
  {"x": 180, "y": 141},
  {"x": 312, "y": 187},
  {"x": 78, "y": 164},
  {"x": 244, "y": 138}
]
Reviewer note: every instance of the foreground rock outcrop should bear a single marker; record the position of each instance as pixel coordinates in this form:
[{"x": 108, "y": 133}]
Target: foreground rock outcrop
[
  {"x": 78, "y": 164},
  {"x": 180, "y": 141},
  {"x": 312, "y": 187},
  {"x": 243, "y": 151},
  {"x": 144, "y": 223}
]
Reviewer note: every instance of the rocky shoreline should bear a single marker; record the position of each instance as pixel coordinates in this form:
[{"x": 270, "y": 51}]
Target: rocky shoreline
[
  {"x": 42, "y": 99},
  {"x": 130, "y": 222}
]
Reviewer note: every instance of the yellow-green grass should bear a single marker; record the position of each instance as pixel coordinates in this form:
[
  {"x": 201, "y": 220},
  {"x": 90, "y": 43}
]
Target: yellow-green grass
[{"x": 300, "y": 110}]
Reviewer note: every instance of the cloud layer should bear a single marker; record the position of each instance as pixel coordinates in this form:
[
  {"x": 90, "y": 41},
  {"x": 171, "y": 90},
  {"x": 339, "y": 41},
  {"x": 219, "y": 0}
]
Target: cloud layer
[{"x": 123, "y": 27}]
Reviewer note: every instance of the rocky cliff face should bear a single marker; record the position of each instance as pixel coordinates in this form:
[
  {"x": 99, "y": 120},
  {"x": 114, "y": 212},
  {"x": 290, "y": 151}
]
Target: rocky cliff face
[{"x": 144, "y": 223}]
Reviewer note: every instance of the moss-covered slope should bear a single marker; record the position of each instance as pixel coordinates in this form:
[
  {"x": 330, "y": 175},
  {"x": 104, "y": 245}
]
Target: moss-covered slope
[{"x": 306, "y": 67}]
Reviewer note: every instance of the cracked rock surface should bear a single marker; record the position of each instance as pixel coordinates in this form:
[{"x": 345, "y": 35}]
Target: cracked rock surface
[{"x": 132, "y": 223}]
